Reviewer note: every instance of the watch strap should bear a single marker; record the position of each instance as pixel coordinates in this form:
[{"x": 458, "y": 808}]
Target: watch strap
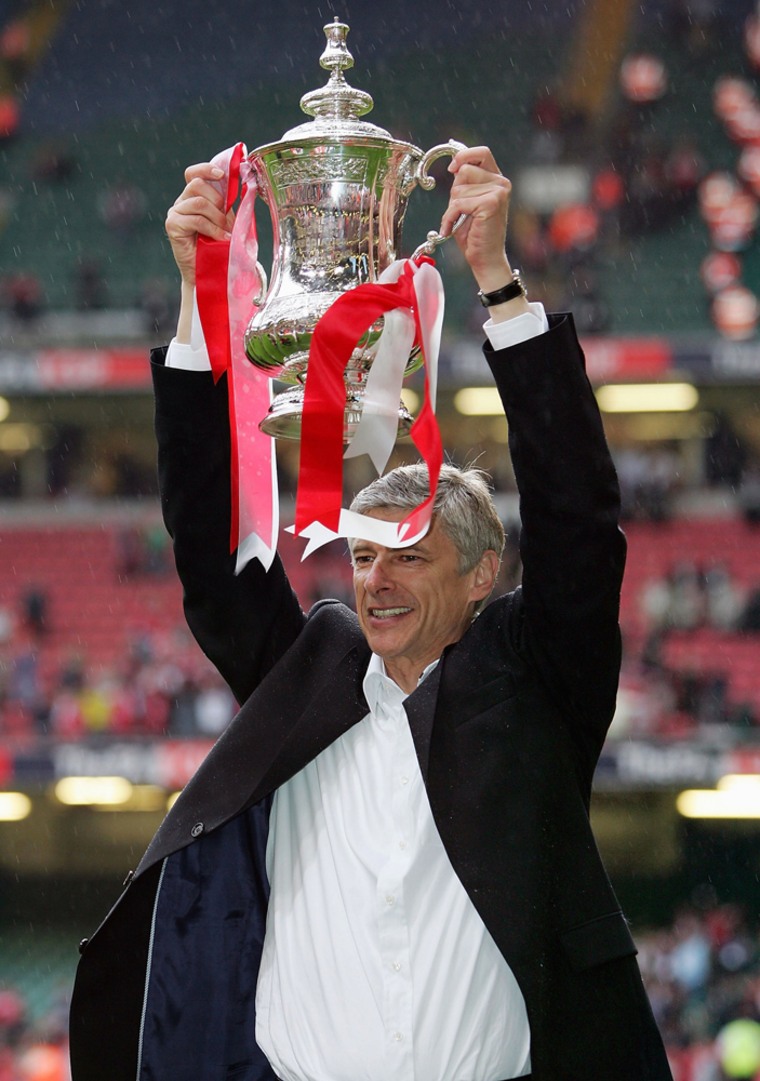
[{"x": 515, "y": 288}]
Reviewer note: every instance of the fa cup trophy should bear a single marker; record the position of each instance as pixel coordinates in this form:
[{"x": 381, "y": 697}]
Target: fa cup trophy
[
  {"x": 337, "y": 189},
  {"x": 341, "y": 324}
]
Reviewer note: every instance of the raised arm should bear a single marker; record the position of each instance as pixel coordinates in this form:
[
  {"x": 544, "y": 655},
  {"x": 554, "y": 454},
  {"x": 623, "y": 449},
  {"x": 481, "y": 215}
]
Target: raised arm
[
  {"x": 572, "y": 549},
  {"x": 243, "y": 623}
]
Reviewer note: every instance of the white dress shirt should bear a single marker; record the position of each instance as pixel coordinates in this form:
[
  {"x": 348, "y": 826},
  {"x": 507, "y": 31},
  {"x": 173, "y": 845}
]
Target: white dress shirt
[{"x": 376, "y": 965}]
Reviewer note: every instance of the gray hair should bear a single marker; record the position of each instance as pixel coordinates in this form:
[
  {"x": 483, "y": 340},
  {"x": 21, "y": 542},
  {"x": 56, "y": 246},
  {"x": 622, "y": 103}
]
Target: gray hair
[{"x": 463, "y": 505}]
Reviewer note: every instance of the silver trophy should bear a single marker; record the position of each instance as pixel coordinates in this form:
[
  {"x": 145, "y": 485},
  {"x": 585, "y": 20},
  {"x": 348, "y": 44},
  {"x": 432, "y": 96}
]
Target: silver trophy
[{"x": 337, "y": 189}]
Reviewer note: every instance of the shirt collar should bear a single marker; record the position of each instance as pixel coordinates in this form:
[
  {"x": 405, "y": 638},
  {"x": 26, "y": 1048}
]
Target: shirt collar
[{"x": 378, "y": 686}]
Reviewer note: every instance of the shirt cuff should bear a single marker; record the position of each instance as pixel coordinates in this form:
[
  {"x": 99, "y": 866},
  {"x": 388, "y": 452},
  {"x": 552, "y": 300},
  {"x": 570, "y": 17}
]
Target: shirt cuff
[
  {"x": 179, "y": 355},
  {"x": 513, "y": 331}
]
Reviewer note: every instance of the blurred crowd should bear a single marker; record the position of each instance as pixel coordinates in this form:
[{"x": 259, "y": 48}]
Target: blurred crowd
[
  {"x": 702, "y": 974},
  {"x": 694, "y": 668},
  {"x": 162, "y": 686},
  {"x": 33, "y": 1048},
  {"x": 691, "y": 652},
  {"x": 691, "y": 597}
]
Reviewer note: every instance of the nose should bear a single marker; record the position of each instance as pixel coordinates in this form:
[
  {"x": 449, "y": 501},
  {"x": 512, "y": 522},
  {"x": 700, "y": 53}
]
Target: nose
[{"x": 378, "y": 577}]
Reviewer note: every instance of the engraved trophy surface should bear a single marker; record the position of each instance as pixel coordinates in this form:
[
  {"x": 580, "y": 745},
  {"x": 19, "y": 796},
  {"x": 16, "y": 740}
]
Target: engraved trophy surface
[{"x": 337, "y": 189}]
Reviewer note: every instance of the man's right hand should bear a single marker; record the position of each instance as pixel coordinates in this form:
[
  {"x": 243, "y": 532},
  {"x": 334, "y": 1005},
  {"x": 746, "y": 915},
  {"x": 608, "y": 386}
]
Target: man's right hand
[{"x": 199, "y": 210}]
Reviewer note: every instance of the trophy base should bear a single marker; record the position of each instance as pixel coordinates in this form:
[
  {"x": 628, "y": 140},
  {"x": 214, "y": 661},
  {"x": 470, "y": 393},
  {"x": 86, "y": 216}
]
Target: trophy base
[{"x": 283, "y": 421}]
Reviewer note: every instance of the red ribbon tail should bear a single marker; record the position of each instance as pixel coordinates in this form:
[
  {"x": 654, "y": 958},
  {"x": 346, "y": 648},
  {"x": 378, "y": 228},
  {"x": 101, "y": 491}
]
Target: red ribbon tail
[
  {"x": 211, "y": 267},
  {"x": 320, "y": 477}
]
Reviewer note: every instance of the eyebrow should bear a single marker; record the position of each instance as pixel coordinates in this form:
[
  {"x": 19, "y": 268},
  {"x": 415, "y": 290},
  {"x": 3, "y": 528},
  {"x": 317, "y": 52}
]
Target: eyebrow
[{"x": 361, "y": 547}]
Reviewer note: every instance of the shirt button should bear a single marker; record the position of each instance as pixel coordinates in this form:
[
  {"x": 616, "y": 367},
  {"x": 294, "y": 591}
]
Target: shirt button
[
  {"x": 390, "y": 899},
  {"x": 404, "y": 780},
  {"x": 402, "y": 844},
  {"x": 398, "y": 1036},
  {"x": 396, "y": 966}
]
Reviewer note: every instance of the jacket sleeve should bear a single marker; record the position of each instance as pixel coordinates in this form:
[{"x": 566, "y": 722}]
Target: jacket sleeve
[
  {"x": 572, "y": 549},
  {"x": 243, "y": 623}
]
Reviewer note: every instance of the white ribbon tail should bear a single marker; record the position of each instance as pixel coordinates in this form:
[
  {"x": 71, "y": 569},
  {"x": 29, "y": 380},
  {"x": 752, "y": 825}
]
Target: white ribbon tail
[
  {"x": 428, "y": 289},
  {"x": 354, "y": 526},
  {"x": 378, "y": 427}
]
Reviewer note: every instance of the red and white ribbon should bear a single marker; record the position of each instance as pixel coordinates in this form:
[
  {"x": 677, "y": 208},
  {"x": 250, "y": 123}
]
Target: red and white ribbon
[
  {"x": 407, "y": 293},
  {"x": 226, "y": 281},
  {"x": 409, "y": 296}
]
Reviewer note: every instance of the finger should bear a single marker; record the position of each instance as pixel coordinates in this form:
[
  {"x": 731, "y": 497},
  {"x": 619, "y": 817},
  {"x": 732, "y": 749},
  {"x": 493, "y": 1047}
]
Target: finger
[
  {"x": 474, "y": 155},
  {"x": 193, "y": 225},
  {"x": 201, "y": 188},
  {"x": 200, "y": 200},
  {"x": 184, "y": 217},
  {"x": 473, "y": 176},
  {"x": 449, "y": 224},
  {"x": 482, "y": 202},
  {"x": 451, "y": 216},
  {"x": 203, "y": 170},
  {"x": 196, "y": 215}
]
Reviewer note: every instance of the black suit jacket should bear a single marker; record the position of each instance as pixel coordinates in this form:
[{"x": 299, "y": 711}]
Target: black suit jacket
[{"x": 507, "y": 730}]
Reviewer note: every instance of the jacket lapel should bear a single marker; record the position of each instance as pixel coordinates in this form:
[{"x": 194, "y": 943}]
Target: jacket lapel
[
  {"x": 338, "y": 706},
  {"x": 266, "y": 744},
  {"x": 420, "y": 709}
]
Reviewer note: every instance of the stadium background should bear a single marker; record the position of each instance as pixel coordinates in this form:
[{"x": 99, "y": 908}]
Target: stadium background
[{"x": 634, "y": 206}]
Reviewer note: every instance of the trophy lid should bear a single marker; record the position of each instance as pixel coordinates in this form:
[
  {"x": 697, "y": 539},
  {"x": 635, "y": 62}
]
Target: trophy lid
[{"x": 337, "y": 106}]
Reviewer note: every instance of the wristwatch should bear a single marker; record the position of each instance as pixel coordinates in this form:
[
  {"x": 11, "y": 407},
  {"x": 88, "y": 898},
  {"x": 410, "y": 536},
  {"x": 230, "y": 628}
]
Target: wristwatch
[{"x": 516, "y": 288}]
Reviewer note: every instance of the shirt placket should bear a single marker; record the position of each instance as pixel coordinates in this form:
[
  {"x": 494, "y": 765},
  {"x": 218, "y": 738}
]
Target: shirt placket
[{"x": 393, "y": 918}]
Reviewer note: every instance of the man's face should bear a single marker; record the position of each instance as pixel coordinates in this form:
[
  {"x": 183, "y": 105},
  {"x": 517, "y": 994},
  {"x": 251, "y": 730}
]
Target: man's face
[{"x": 412, "y": 602}]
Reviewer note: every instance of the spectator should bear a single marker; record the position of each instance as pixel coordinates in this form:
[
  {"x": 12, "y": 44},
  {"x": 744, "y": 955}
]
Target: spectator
[
  {"x": 749, "y": 620},
  {"x": 574, "y": 232},
  {"x": 90, "y": 289},
  {"x": 53, "y": 164},
  {"x": 547, "y": 141},
  {"x": 35, "y": 611},
  {"x": 686, "y": 597},
  {"x": 157, "y": 302},
  {"x": 592, "y": 315},
  {"x": 684, "y": 169},
  {"x": 122, "y": 207},
  {"x": 214, "y": 707},
  {"x": 10, "y": 117},
  {"x": 725, "y": 455},
  {"x": 24, "y": 298},
  {"x": 749, "y": 493},
  {"x": 723, "y": 600}
]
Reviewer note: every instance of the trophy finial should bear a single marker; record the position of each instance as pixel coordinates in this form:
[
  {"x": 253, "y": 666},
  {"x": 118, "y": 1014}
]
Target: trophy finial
[
  {"x": 337, "y": 100},
  {"x": 336, "y": 56}
]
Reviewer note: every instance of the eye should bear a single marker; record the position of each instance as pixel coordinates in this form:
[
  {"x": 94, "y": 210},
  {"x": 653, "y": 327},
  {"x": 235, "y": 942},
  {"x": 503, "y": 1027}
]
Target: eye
[{"x": 362, "y": 560}]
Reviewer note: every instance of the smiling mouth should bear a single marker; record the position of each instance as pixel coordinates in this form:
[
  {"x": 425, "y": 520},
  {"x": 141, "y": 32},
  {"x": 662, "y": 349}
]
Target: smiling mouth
[{"x": 388, "y": 613}]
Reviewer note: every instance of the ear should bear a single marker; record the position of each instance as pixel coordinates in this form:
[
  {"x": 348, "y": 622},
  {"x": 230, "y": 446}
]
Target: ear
[{"x": 484, "y": 576}]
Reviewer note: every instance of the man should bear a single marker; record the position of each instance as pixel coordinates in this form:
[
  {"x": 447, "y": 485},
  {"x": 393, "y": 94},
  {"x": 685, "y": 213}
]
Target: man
[{"x": 384, "y": 869}]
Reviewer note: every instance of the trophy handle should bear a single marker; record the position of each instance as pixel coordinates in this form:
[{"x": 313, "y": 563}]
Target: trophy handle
[
  {"x": 251, "y": 182},
  {"x": 258, "y": 300},
  {"x": 451, "y": 148}
]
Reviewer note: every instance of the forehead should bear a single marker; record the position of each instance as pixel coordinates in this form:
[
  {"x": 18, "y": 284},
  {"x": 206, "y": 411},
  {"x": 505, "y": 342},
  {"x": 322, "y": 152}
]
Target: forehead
[{"x": 436, "y": 538}]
